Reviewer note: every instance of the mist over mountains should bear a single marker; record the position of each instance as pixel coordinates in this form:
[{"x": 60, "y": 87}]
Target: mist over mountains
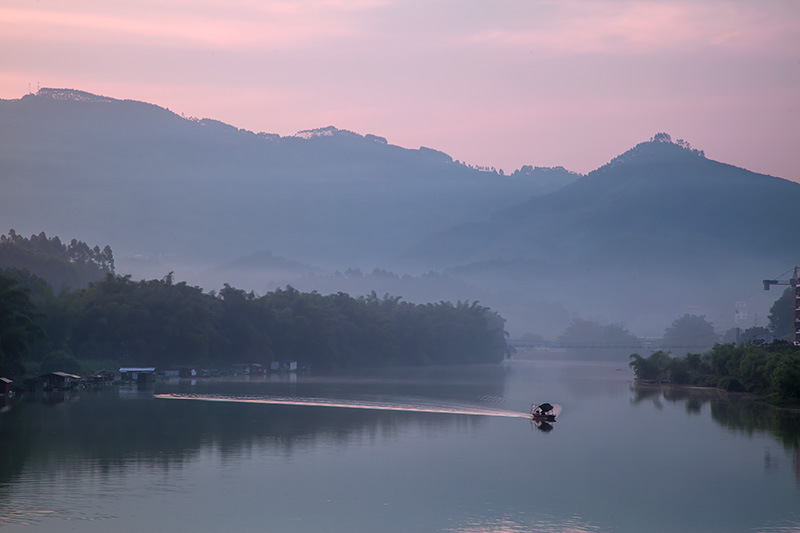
[
  {"x": 157, "y": 184},
  {"x": 657, "y": 232}
]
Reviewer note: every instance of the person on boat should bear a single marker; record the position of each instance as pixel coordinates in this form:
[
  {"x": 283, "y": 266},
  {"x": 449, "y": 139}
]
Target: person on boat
[{"x": 544, "y": 409}]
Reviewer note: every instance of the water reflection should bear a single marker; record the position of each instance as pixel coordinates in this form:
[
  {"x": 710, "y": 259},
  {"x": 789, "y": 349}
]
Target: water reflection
[
  {"x": 120, "y": 426},
  {"x": 541, "y": 425},
  {"x": 739, "y": 413},
  {"x": 23, "y": 516},
  {"x": 526, "y": 524},
  {"x": 121, "y": 460}
]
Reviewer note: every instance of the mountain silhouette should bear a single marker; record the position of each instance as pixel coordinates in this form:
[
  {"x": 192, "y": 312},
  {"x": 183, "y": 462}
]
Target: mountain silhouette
[
  {"x": 657, "y": 203},
  {"x": 156, "y": 184},
  {"x": 659, "y": 231}
]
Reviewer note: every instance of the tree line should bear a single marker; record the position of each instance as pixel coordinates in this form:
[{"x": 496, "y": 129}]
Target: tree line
[
  {"x": 771, "y": 370},
  {"x": 62, "y": 265},
  {"x": 589, "y": 339},
  {"x": 162, "y": 323}
]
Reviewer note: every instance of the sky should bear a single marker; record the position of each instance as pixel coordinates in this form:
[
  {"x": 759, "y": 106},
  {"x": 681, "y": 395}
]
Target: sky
[{"x": 500, "y": 83}]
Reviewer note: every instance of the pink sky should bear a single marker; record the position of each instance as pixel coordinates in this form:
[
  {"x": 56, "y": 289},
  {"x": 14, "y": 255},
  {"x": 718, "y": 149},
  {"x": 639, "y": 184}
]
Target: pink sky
[{"x": 495, "y": 83}]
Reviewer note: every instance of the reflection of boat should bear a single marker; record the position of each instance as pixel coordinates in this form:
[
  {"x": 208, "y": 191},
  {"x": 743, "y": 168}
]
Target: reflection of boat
[{"x": 544, "y": 412}]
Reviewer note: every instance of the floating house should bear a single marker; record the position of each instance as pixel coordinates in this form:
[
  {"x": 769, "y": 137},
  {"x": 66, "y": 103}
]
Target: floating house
[
  {"x": 5, "y": 387},
  {"x": 51, "y": 381},
  {"x": 138, "y": 375},
  {"x": 103, "y": 377},
  {"x": 283, "y": 366},
  {"x": 248, "y": 369},
  {"x": 181, "y": 371}
]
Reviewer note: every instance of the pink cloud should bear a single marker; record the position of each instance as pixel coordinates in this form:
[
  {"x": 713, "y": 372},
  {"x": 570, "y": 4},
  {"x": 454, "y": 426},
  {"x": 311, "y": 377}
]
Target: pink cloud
[
  {"x": 270, "y": 26},
  {"x": 502, "y": 84},
  {"x": 578, "y": 27}
]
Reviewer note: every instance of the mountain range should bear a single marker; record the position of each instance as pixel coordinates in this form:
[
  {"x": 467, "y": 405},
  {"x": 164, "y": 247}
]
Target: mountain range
[
  {"x": 658, "y": 231},
  {"x": 156, "y": 184}
]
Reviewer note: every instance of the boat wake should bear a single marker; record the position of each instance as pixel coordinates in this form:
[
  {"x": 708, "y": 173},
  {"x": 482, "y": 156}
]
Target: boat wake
[{"x": 351, "y": 404}]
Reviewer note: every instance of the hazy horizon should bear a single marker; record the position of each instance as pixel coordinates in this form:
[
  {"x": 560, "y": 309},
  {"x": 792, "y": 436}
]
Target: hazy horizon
[{"x": 543, "y": 83}]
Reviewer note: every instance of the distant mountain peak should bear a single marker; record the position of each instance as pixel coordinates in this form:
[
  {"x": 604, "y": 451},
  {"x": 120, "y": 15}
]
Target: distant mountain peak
[
  {"x": 530, "y": 170},
  {"x": 328, "y": 131},
  {"x": 219, "y": 125},
  {"x": 660, "y": 147},
  {"x": 333, "y": 131},
  {"x": 664, "y": 138},
  {"x": 72, "y": 95}
]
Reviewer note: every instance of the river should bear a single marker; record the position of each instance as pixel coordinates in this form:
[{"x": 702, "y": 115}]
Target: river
[{"x": 402, "y": 450}]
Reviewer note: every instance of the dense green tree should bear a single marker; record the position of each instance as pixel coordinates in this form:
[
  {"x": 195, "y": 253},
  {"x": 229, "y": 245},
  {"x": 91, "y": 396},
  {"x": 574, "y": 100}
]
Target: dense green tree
[
  {"x": 163, "y": 323},
  {"x": 766, "y": 369},
  {"x": 690, "y": 333},
  {"x": 73, "y": 265},
  {"x": 60, "y": 361},
  {"x": 582, "y": 331},
  {"x": 785, "y": 374},
  {"x": 18, "y": 326},
  {"x": 781, "y": 315},
  {"x": 56, "y": 314},
  {"x": 654, "y": 367},
  {"x": 592, "y": 340},
  {"x": 142, "y": 322},
  {"x": 755, "y": 335},
  {"x": 751, "y": 369}
]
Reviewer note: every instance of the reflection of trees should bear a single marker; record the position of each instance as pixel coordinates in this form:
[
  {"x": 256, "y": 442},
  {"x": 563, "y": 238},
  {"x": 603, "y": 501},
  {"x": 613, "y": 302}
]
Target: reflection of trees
[
  {"x": 741, "y": 414},
  {"x": 15, "y": 443},
  {"x": 694, "y": 399},
  {"x": 738, "y": 413},
  {"x": 110, "y": 432},
  {"x": 747, "y": 416}
]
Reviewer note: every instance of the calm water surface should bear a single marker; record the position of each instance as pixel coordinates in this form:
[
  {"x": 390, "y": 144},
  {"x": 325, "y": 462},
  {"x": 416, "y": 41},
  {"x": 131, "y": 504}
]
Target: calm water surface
[{"x": 618, "y": 459}]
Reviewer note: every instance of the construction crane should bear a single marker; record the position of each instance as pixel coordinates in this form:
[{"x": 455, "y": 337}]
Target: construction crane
[{"x": 794, "y": 282}]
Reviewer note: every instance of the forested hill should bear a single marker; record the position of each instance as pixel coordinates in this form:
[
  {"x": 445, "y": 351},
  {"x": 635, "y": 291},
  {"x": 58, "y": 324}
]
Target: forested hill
[
  {"x": 659, "y": 231},
  {"x": 72, "y": 265},
  {"x": 152, "y": 182},
  {"x": 660, "y": 202}
]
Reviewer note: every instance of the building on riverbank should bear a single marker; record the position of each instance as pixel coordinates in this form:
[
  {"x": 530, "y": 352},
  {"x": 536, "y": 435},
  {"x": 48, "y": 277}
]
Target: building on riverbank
[
  {"x": 52, "y": 381},
  {"x": 138, "y": 375},
  {"x": 283, "y": 366}
]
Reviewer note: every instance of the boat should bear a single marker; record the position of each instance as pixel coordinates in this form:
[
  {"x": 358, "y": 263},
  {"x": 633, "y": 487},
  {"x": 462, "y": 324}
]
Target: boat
[{"x": 543, "y": 412}]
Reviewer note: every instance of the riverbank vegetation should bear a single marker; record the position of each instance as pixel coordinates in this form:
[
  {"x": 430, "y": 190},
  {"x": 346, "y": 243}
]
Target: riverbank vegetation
[
  {"x": 161, "y": 323},
  {"x": 770, "y": 370}
]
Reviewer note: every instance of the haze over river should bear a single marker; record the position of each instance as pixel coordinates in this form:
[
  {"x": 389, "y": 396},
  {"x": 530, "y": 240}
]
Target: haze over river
[{"x": 425, "y": 450}]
